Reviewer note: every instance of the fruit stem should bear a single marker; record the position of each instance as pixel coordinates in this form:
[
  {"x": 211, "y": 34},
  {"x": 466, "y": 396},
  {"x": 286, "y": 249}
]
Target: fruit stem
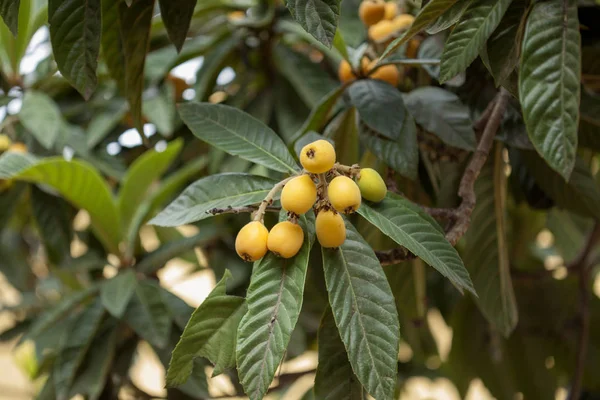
[
  {"x": 351, "y": 170},
  {"x": 268, "y": 200}
]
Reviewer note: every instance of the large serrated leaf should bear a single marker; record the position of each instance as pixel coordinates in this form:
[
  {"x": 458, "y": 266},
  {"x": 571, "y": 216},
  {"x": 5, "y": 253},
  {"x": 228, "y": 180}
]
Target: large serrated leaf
[
  {"x": 147, "y": 315},
  {"x": 9, "y": 10},
  {"x": 75, "y": 30},
  {"x": 581, "y": 194},
  {"x": 177, "y": 15},
  {"x": 429, "y": 13},
  {"x": 504, "y": 45},
  {"x": 274, "y": 301},
  {"x": 238, "y": 134},
  {"x": 139, "y": 177},
  {"x": 77, "y": 182},
  {"x": 469, "y": 36},
  {"x": 364, "y": 312},
  {"x": 317, "y": 17},
  {"x": 211, "y": 332},
  {"x": 320, "y": 113},
  {"x": 486, "y": 251},
  {"x": 380, "y": 106},
  {"x": 409, "y": 229},
  {"x": 112, "y": 46},
  {"x": 215, "y": 191},
  {"x": 442, "y": 113},
  {"x": 448, "y": 18},
  {"x": 75, "y": 346},
  {"x": 401, "y": 154},
  {"x": 135, "y": 24},
  {"x": 334, "y": 379},
  {"x": 549, "y": 81},
  {"x": 116, "y": 292},
  {"x": 41, "y": 116}
]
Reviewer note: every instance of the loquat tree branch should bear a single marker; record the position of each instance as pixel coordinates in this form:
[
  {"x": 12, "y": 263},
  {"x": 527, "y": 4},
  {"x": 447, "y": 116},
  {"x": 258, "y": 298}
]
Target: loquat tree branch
[
  {"x": 488, "y": 124},
  {"x": 240, "y": 210}
]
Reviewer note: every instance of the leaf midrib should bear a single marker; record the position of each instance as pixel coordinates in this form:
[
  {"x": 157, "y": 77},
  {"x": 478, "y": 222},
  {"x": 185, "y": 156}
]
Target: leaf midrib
[
  {"x": 282, "y": 162},
  {"x": 362, "y": 327}
]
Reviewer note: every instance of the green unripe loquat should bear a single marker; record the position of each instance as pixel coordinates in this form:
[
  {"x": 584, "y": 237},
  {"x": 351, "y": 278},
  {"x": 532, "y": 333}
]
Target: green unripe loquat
[{"x": 371, "y": 185}]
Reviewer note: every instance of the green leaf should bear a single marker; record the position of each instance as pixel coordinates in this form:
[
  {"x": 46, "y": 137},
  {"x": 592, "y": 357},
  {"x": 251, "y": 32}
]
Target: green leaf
[
  {"x": 401, "y": 154},
  {"x": 41, "y": 116},
  {"x": 102, "y": 123},
  {"x": 91, "y": 378},
  {"x": 159, "y": 257},
  {"x": 364, "y": 312},
  {"x": 144, "y": 171},
  {"x": 54, "y": 219},
  {"x": 320, "y": 113},
  {"x": 334, "y": 379},
  {"x": 57, "y": 312},
  {"x": 237, "y": 133},
  {"x": 409, "y": 229},
  {"x": 549, "y": 79},
  {"x": 469, "y": 36},
  {"x": 317, "y": 17},
  {"x": 215, "y": 191},
  {"x": 117, "y": 291},
  {"x": 179, "y": 310},
  {"x": 441, "y": 112},
  {"x": 380, "y": 106},
  {"x": 429, "y": 13},
  {"x": 135, "y": 23},
  {"x": 76, "y": 344},
  {"x": 274, "y": 301},
  {"x": 147, "y": 315},
  {"x": 344, "y": 132},
  {"x": 212, "y": 65},
  {"x": 75, "y": 30},
  {"x": 449, "y": 18},
  {"x": 177, "y": 15},
  {"x": 112, "y": 45},
  {"x": 9, "y": 10},
  {"x": 77, "y": 182},
  {"x": 581, "y": 194},
  {"x": 504, "y": 45},
  {"x": 211, "y": 332},
  {"x": 160, "y": 110},
  {"x": 309, "y": 79},
  {"x": 431, "y": 48},
  {"x": 487, "y": 253}
]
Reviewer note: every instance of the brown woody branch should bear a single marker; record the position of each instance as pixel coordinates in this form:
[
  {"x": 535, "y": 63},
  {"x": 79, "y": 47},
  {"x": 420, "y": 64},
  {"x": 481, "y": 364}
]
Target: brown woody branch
[
  {"x": 582, "y": 266},
  {"x": 489, "y": 123},
  {"x": 240, "y": 210}
]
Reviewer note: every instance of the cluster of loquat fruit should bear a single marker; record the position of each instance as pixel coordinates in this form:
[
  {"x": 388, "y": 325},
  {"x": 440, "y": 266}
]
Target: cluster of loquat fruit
[
  {"x": 335, "y": 193},
  {"x": 384, "y": 22}
]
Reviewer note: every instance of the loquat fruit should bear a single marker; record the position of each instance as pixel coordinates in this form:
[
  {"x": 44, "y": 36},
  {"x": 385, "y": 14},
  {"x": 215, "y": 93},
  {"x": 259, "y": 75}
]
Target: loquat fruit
[
  {"x": 18, "y": 147},
  {"x": 371, "y": 11},
  {"x": 299, "y": 194},
  {"x": 403, "y": 21},
  {"x": 345, "y": 73},
  {"x": 236, "y": 15},
  {"x": 344, "y": 194},
  {"x": 285, "y": 239},
  {"x": 387, "y": 73},
  {"x": 5, "y": 142},
  {"x": 371, "y": 185},
  {"x": 318, "y": 157},
  {"x": 381, "y": 31},
  {"x": 251, "y": 241},
  {"x": 330, "y": 228},
  {"x": 391, "y": 10},
  {"x": 412, "y": 47}
]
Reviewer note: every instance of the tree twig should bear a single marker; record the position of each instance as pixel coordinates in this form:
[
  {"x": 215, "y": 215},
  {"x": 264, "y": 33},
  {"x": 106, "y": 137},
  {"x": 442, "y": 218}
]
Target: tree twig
[
  {"x": 582, "y": 266},
  {"x": 489, "y": 123},
  {"x": 240, "y": 210}
]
